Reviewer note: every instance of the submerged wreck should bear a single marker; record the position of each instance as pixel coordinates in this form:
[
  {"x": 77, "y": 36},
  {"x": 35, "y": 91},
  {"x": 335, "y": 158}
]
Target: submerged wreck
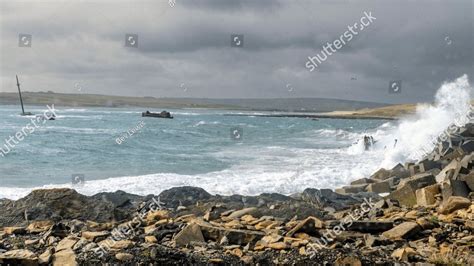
[{"x": 163, "y": 114}]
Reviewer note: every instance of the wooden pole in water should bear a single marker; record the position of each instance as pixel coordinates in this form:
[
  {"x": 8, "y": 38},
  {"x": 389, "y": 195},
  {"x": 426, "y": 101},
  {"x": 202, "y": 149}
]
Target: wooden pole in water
[{"x": 21, "y": 99}]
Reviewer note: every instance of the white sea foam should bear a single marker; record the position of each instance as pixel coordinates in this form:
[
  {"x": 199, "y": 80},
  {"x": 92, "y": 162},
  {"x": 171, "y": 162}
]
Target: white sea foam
[{"x": 452, "y": 102}]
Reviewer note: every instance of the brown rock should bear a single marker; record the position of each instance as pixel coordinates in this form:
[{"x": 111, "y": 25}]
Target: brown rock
[
  {"x": 248, "y": 218},
  {"x": 348, "y": 261},
  {"x": 470, "y": 224},
  {"x": 269, "y": 239},
  {"x": 157, "y": 215},
  {"x": 405, "y": 230},
  {"x": 150, "y": 239},
  {"x": 95, "y": 236},
  {"x": 191, "y": 233},
  {"x": 426, "y": 196},
  {"x": 121, "y": 244},
  {"x": 426, "y": 223},
  {"x": 454, "y": 203},
  {"x": 124, "y": 256},
  {"x": 30, "y": 242},
  {"x": 263, "y": 224},
  {"x": 302, "y": 236},
  {"x": 403, "y": 254},
  {"x": 14, "y": 230},
  {"x": 39, "y": 226},
  {"x": 278, "y": 245},
  {"x": 45, "y": 257},
  {"x": 308, "y": 225},
  {"x": 237, "y": 252},
  {"x": 65, "y": 257},
  {"x": 18, "y": 256},
  {"x": 149, "y": 229},
  {"x": 67, "y": 243},
  {"x": 235, "y": 224}
]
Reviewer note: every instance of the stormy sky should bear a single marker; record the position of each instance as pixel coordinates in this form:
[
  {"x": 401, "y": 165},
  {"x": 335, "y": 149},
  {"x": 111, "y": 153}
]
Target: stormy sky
[{"x": 184, "y": 47}]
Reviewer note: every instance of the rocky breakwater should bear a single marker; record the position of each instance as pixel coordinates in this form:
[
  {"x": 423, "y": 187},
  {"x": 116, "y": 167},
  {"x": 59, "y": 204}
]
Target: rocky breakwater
[
  {"x": 426, "y": 215},
  {"x": 440, "y": 189}
]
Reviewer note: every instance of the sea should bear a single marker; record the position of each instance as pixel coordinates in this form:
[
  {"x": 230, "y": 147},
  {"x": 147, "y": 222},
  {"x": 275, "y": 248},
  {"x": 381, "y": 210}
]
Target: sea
[{"x": 222, "y": 151}]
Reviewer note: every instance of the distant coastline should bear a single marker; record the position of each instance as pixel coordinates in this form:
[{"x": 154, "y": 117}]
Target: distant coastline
[{"x": 288, "y": 105}]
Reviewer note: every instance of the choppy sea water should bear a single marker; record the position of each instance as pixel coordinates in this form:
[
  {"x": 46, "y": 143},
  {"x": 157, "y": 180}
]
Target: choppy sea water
[{"x": 196, "y": 148}]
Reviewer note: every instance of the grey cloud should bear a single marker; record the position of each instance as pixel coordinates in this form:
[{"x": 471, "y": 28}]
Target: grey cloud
[{"x": 190, "y": 43}]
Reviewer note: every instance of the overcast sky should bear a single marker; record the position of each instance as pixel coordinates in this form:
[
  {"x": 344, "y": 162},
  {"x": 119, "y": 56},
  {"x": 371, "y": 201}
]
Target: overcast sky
[{"x": 184, "y": 50}]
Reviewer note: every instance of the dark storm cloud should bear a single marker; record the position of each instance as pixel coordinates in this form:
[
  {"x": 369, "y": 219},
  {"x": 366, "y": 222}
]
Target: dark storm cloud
[{"x": 422, "y": 43}]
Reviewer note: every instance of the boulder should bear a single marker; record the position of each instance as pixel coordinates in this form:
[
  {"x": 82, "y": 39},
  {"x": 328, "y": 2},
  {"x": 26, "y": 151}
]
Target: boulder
[
  {"x": 454, "y": 203},
  {"x": 118, "y": 245},
  {"x": 278, "y": 245},
  {"x": 403, "y": 254},
  {"x": 95, "y": 236},
  {"x": 399, "y": 171},
  {"x": 426, "y": 196},
  {"x": 14, "y": 230},
  {"x": 184, "y": 196},
  {"x": 372, "y": 227},
  {"x": 381, "y": 174},
  {"x": 379, "y": 187},
  {"x": 240, "y": 213},
  {"x": 65, "y": 257},
  {"x": 39, "y": 226},
  {"x": 309, "y": 226},
  {"x": 18, "y": 257},
  {"x": 373, "y": 241},
  {"x": 157, "y": 215},
  {"x": 191, "y": 233},
  {"x": 362, "y": 181},
  {"x": 350, "y": 260},
  {"x": 67, "y": 243},
  {"x": 405, "y": 192},
  {"x": 62, "y": 203},
  {"x": 351, "y": 189},
  {"x": 46, "y": 256},
  {"x": 453, "y": 187},
  {"x": 450, "y": 171},
  {"x": 404, "y": 230},
  {"x": 416, "y": 169},
  {"x": 469, "y": 180},
  {"x": 124, "y": 256},
  {"x": 327, "y": 198},
  {"x": 234, "y": 236}
]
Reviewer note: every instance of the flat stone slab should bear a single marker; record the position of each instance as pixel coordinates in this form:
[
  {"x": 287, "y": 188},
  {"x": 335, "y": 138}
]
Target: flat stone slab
[{"x": 403, "y": 231}]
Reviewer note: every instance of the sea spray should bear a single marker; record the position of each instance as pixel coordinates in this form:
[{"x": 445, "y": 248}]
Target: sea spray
[{"x": 416, "y": 133}]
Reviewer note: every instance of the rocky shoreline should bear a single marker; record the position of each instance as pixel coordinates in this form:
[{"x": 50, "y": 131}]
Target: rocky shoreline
[{"x": 414, "y": 213}]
